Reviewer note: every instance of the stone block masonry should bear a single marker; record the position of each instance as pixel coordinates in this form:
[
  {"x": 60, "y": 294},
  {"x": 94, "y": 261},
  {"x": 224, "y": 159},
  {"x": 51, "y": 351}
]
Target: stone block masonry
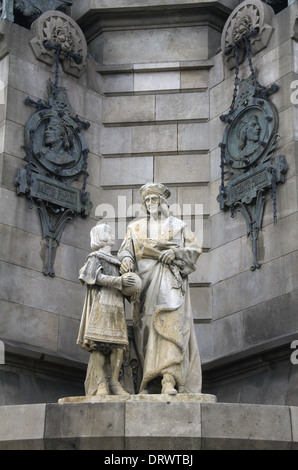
[
  {"x": 153, "y": 90},
  {"x": 134, "y": 426}
]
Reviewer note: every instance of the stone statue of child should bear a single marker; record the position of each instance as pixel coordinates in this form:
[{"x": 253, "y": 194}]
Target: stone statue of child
[{"x": 103, "y": 330}]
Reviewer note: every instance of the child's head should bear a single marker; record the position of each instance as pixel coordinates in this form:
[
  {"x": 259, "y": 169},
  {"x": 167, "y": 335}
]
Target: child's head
[{"x": 101, "y": 235}]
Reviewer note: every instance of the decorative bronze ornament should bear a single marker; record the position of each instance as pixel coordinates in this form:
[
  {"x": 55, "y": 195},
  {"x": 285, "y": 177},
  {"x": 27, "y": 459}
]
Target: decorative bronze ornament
[
  {"x": 29, "y": 10},
  {"x": 249, "y": 170},
  {"x": 58, "y": 143},
  {"x": 56, "y": 155},
  {"x": 253, "y": 127}
]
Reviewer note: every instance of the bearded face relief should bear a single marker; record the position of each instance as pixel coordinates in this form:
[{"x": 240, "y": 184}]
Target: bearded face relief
[
  {"x": 249, "y": 134},
  {"x": 58, "y": 141}
]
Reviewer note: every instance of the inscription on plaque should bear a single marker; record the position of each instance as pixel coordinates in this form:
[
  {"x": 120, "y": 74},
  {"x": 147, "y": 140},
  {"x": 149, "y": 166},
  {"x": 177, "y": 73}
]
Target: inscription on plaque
[
  {"x": 246, "y": 188},
  {"x": 54, "y": 193}
]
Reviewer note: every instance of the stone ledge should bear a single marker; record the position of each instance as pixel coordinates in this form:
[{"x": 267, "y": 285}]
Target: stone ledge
[
  {"x": 156, "y": 67},
  {"x": 149, "y": 425},
  {"x": 81, "y": 9},
  {"x": 150, "y": 398}
]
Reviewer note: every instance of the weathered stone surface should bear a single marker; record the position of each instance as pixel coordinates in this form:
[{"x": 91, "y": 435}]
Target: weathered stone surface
[
  {"x": 245, "y": 427},
  {"x": 84, "y": 426},
  {"x": 154, "y": 139},
  {"x": 139, "y": 46},
  {"x": 14, "y": 139},
  {"x": 201, "y": 302},
  {"x": 181, "y": 424},
  {"x": 14, "y": 212},
  {"x": 193, "y": 137},
  {"x": 129, "y": 109},
  {"x": 271, "y": 319},
  {"x": 204, "y": 335},
  {"x": 126, "y": 171},
  {"x": 221, "y": 97},
  {"x": 294, "y": 420},
  {"x": 215, "y": 170},
  {"x": 234, "y": 294},
  {"x": 23, "y": 248},
  {"x": 120, "y": 201},
  {"x": 156, "y": 81},
  {"x": 20, "y": 247},
  {"x": 29, "y": 325},
  {"x": 68, "y": 333},
  {"x": 71, "y": 40},
  {"x": 260, "y": 374},
  {"x": 228, "y": 334},
  {"x": 118, "y": 83},
  {"x": 181, "y": 169},
  {"x": 115, "y": 140},
  {"x": 194, "y": 79},
  {"x": 135, "y": 425},
  {"x": 203, "y": 273},
  {"x": 28, "y": 434},
  {"x": 196, "y": 196},
  {"x": 81, "y": 9},
  {"x": 94, "y": 163},
  {"x": 35, "y": 291},
  {"x": 148, "y": 398},
  {"x": 182, "y": 106}
]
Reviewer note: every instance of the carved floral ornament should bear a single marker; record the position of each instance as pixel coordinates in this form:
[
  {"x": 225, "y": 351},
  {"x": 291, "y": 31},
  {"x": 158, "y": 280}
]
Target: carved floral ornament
[
  {"x": 60, "y": 31},
  {"x": 251, "y": 16}
]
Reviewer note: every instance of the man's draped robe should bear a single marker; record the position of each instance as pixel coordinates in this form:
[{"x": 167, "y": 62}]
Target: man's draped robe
[{"x": 163, "y": 321}]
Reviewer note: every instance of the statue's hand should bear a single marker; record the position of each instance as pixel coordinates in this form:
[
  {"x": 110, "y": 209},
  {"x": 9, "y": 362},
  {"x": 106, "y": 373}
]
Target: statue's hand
[
  {"x": 167, "y": 256},
  {"x": 127, "y": 266},
  {"x": 128, "y": 281}
]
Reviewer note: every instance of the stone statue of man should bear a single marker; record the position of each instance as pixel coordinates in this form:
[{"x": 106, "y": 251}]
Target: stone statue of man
[{"x": 163, "y": 251}]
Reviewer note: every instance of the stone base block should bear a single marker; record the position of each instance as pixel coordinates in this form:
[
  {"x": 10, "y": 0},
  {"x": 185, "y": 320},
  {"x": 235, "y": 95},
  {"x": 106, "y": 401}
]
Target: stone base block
[{"x": 148, "y": 423}]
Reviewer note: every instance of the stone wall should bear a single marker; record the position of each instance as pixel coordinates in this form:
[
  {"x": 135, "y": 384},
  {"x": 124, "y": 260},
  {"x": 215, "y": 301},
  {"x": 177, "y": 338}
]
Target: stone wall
[
  {"x": 163, "y": 94},
  {"x": 153, "y": 91},
  {"x": 39, "y": 315},
  {"x": 256, "y": 311}
]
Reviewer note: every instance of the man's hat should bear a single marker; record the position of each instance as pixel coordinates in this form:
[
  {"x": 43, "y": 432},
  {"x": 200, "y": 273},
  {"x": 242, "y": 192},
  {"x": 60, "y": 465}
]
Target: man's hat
[{"x": 155, "y": 188}]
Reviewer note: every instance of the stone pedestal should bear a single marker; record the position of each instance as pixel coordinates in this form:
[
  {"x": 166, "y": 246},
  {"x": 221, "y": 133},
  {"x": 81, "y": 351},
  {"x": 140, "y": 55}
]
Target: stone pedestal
[{"x": 134, "y": 425}]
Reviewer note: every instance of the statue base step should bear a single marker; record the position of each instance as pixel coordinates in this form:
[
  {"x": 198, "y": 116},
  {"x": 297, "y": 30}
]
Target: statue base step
[{"x": 180, "y": 397}]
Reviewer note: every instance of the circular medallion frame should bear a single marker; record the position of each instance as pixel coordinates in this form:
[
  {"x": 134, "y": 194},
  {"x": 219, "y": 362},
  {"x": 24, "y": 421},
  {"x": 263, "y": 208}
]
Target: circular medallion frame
[
  {"x": 248, "y": 136},
  {"x": 60, "y": 160}
]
